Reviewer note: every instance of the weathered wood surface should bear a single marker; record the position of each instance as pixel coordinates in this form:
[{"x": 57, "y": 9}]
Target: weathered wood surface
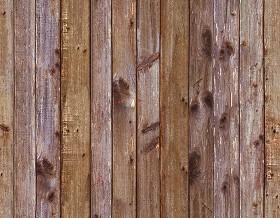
[
  {"x": 75, "y": 109},
  {"x": 148, "y": 148},
  {"x": 201, "y": 149},
  {"x": 174, "y": 116},
  {"x": 6, "y": 107}
]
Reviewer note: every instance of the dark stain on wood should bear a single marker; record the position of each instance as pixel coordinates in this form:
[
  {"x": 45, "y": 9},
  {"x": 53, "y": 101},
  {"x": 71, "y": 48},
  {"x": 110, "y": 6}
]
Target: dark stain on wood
[
  {"x": 149, "y": 128},
  {"x": 226, "y": 51},
  {"x": 4, "y": 13},
  {"x": 194, "y": 166},
  {"x": 120, "y": 90},
  {"x": 206, "y": 38},
  {"x": 44, "y": 167},
  {"x": 148, "y": 61},
  {"x": 151, "y": 145},
  {"x": 208, "y": 100},
  {"x": 4, "y": 128},
  {"x": 194, "y": 108},
  {"x": 51, "y": 195},
  {"x": 224, "y": 120}
]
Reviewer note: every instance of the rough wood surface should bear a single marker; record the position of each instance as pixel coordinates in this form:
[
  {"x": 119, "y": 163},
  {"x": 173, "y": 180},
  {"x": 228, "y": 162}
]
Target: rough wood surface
[
  {"x": 148, "y": 149},
  {"x": 24, "y": 113},
  {"x": 6, "y": 108},
  {"x": 75, "y": 99},
  {"x": 124, "y": 108},
  {"x": 201, "y": 151},
  {"x": 174, "y": 116},
  {"x": 101, "y": 122},
  {"x": 251, "y": 109},
  {"x": 48, "y": 108},
  {"x": 226, "y": 108}
]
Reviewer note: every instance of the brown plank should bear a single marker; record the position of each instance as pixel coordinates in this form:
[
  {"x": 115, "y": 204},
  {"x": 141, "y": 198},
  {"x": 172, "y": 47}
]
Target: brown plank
[
  {"x": 226, "y": 109},
  {"x": 251, "y": 109},
  {"x": 148, "y": 152},
  {"x": 75, "y": 106},
  {"x": 272, "y": 114},
  {"x": 201, "y": 151},
  {"x": 48, "y": 108},
  {"x": 174, "y": 107},
  {"x": 6, "y": 108},
  {"x": 101, "y": 122},
  {"x": 124, "y": 108},
  {"x": 24, "y": 113}
]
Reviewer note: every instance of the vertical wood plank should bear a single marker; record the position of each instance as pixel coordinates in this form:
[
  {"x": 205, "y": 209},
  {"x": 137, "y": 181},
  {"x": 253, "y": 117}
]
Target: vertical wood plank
[
  {"x": 48, "y": 108},
  {"x": 6, "y": 107},
  {"x": 201, "y": 152},
  {"x": 226, "y": 109},
  {"x": 148, "y": 152},
  {"x": 251, "y": 109},
  {"x": 101, "y": 132},
  {"x": 24, "y": 120},
  {"x": 272, "y": 114},
  {"x": 75, "y": 99},
  {"x": 174, "y": 107},
  {"x": 124, "y": 108}
]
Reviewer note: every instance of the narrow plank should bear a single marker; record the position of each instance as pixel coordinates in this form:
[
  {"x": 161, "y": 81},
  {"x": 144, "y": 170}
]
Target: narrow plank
[
  {"x": 272, "y": 114},
  {"x": 124, "y": 108},
  {"x": 148, "y": 152},
  {"x": 201, "y": 149},
  {"x": 6, "y": 107},
  {"x": 251, "y": 109},
  {"x": 48, "y": 108},
  {"x": 75, "y": 106},
  {"x": 226, "y": 109},
  {"x": 101, "y": 97},
  {"x": 174, "y": 107},
  {"x": 24, "y": 113}
]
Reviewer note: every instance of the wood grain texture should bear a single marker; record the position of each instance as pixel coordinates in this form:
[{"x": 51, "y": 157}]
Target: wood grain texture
[
  {"x": 75, "y": 99},
  {"x": 226, "y": 109},
  {"x": 148, "y": 149},
  {"x": 124, "y": 108},
  {"x": 6, "y": 107},
  {"x": 251, "y": 109},
  {"x": 174, "y": 108},
  {"x": 101, "y": 122},
  {"x": 24, "y": 113},
  {"x": 48, "y": 108},
  {"x": 272, "y": 114},
  {"x": 201, "y": 151}
]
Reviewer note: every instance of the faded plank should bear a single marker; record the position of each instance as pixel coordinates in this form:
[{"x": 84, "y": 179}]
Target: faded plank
[
  {"x": 251, "y": 109},
  {"x": 75, "y": 106},
  {"x": 272, "y": 113},
  {"x": 48, "y": 108},
  {"x": 6, "y": 107},
  {"x": 124, "y": 108},
  {"x": 201, "y": 151},
  {"x": 148, "y": 151},
  {"x": 226, "y": 109},
  {"x": 101, "y": 122},
  {"x": 174, "y": 108},
  {"x": 24, "y": 113}
]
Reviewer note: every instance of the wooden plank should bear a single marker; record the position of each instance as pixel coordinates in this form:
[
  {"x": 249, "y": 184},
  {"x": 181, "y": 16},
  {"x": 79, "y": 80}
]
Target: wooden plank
[
  {"x": 101, "y": 122},
  {"x": 24, "y": 120},
  {"x": 174, "y": 108},
  {"x": 201, "y": 151},
  {"x": 124, "y": 108},
  {"x": 75, "y": 106},
  {"x": 272, "y": 114},
  {"x": 226, "y": 109},
  {"x": 251, "y": 109},
  {"x": 148, "y": 152},
  {"x": 48, "y": 108},
  {"x": 6, "y": 107}
]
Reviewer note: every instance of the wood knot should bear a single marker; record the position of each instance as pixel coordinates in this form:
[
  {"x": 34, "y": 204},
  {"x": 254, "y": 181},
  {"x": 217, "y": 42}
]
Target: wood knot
[
  {"x": 44, "y": 167},
  {"x": 208, "y": 100},
  {"x": 206, "y": 39},
  {"x": 194, "y": 166},
  {"x": 4, "y": 128},
  {"x": 194, "y": 108},
  {"x": 120, "y": 90},
  {"x": 226, "y": 51},
  {"x": 223, "y": 121}
]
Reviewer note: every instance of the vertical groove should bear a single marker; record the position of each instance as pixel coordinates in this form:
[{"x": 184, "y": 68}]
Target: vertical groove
[
  {"x": 60, "y": 108},
  {"x": 112, "y": 115},
  {"x": 239, "y": 108},
  {"x": 35, "y": 105},
  {"x": 264, "y": 111}
]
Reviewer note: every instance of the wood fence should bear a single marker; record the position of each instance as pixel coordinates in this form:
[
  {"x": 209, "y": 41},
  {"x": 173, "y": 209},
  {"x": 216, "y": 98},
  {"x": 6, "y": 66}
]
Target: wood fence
[{"x": 139, "y": 108}]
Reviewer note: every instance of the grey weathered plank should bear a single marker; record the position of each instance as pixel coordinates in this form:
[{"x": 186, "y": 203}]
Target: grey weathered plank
[
  {"x": 48, "y": 108},
  {"x": 201, "y": 152},
  {"x": 75, "y": 106},
  {"x": 148, "y": 149},
  {"x": 174, "y": 107},
  {"x": 101, "y": 122},
  {"x": 24, "y": 113},
  {"x": 6, "y": 108},
  {"x": 251, "y": 109},
  {"x": 124, "y": 108},
  {"x": 226, "y": 109}
]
